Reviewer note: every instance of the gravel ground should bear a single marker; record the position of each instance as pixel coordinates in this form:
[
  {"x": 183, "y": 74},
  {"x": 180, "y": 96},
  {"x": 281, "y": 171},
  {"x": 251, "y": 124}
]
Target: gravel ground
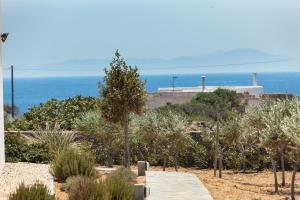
[{"x": 15, "y": 173}]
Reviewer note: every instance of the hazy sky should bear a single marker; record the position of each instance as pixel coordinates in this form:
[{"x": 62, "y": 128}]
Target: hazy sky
[{"x": 51, "y": 31}]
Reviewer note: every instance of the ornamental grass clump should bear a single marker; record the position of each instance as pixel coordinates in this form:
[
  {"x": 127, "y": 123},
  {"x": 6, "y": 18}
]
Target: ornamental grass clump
[
  {"x": 73, "y": 162},
  {"x": 56, "y": 139},
  {"x": 36, "y": 191}
]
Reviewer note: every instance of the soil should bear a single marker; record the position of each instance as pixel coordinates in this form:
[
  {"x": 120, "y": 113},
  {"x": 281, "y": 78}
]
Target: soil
[
  {"x": 243, "y": 186},
  {"x": 232, "y": 186}
]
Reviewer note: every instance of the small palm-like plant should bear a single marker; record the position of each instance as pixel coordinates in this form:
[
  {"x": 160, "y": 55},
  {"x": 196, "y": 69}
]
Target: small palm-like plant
[{"x": 56, "y": 139}]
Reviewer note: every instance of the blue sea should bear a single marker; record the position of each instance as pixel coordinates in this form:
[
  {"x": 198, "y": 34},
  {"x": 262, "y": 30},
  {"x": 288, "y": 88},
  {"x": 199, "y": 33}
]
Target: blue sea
[{"x": 33, "y": 91}]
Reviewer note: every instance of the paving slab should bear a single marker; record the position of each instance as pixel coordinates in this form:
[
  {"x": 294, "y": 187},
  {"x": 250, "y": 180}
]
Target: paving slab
[{"x": 175, "y": 186}]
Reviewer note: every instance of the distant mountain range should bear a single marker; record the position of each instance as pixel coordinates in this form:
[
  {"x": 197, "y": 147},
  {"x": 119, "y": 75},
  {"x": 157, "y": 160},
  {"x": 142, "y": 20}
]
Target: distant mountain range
[
  {"x": 215, "y": 58},
  {"x": 236, "y": 60}
]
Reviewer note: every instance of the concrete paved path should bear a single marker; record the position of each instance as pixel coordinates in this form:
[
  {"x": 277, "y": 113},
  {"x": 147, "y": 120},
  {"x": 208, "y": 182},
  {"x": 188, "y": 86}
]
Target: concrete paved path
[{"x": 175, "y": 186}]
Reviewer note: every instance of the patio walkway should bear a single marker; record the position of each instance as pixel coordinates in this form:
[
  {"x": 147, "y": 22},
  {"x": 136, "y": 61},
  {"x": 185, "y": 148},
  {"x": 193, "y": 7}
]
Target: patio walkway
[{"x": 175, "y": 186}]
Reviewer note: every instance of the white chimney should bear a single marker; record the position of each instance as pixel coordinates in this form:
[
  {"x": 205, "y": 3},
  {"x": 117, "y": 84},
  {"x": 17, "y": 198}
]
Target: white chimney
[
  {"x": 203, "y": 82},
  {"x": 254, "y": 79}
]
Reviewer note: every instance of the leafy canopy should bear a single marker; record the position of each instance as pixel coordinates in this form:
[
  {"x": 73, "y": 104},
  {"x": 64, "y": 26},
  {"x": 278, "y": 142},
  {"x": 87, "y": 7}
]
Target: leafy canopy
[
  {"x": 55, "y": 112},
  {"x": 220, "y": 99},
  {"x": 122, "y": 92}
]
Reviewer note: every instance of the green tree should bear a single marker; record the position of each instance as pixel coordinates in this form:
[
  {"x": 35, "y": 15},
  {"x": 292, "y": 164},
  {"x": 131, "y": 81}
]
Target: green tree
[
  {"x": 291, "y": 127},
  {"x": 224, "y": 104},
  {"x": 122, "y": 93},
  {"x": 94, "y": 126},
  {"x": 166, "y": 132},
  {"x": 273, "y": 138}
]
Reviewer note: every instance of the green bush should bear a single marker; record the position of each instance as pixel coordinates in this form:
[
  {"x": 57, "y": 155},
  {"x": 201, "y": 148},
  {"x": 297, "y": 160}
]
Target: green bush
[
  {"x": 87, "y": 188},
  {"x": 119, "y": 185},
  {"x": 35, "y": 192},
  {"x": 195, "y": 155},
  {"x": 69, "y": 182},
  {"x": 62, "y": 112},
  {"x": 18, "y": 150},
  {"x": 72, "y": 162}
]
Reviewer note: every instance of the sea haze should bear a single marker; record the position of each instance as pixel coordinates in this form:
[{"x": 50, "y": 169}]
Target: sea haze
[{"x": 32, "y": 91}]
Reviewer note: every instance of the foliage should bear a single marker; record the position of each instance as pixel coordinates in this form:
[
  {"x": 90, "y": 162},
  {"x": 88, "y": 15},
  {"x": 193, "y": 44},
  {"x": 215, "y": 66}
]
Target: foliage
[
  {"x": 122, "y": 93},
  {"x": 117, "y": 186},
  {"x": 69, "y": 182},
  {"x": 72, "y": 162},
  {"x": 194, "y": 155},
  {"x": 8, "y": 121},
  {"x": 8, "y": 109},
  {"x": 221, "y": 100},
  {"x": 193, "y": 111},
  {"x": 87, "y": 188},
  {"x": 102, "y": 133},
  {"x": 18, "y": 150},
  {"x": 36, "y": 191},
  {"x": 122, "y": 87},
  {"x": 56, "y": 140},
  {"x": 62, "y": 112},
  {"x": 164, "y": 131},
  {"x": 120, "y": 185},
  {"x": 291, "y": 128}
]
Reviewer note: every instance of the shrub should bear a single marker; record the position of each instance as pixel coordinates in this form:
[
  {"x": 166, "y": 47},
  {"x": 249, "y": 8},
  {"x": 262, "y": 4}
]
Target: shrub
[
  {"x": 69, "y": 182},
  {"x": 63, "y": 112},
  {"x": 72, "y": 162},
  {"x": 17, "y": 150},
  {"x": 37, "y": 191},
  {"x": 123, "y": 173},
  {"x": 87, "y": 188},
  {"x": 195, "y": 155},
  {"x": 120, "y": 185},
  {"x": 106, "y": 135}
]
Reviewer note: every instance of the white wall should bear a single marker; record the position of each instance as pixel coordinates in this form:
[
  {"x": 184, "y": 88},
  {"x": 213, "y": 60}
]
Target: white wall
[{"x": 2, "y": 154}]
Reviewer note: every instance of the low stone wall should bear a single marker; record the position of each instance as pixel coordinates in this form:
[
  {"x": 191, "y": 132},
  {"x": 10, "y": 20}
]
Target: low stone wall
[{"x": 160, "y": 99}]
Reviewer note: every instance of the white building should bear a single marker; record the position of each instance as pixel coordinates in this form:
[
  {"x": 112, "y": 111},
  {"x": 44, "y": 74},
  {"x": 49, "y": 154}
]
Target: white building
[
  {"x": 181, "y": 95},
  {"x": 253, "y": 90}
]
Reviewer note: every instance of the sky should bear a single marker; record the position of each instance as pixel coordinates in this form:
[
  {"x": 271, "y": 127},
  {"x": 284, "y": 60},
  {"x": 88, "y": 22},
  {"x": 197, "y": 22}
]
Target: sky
[{"x": 48, "y": 32}]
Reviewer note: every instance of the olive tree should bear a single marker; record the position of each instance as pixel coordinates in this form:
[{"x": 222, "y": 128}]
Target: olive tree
[
  {"x": 122, "y": 93},
  {"x": 273, "y": 138},
  {"x": 164, "y": 131},
  {"x": 291, "y": 127},
  {"x": 93, "y": 126},
  {"x": 224, "y": 104}
]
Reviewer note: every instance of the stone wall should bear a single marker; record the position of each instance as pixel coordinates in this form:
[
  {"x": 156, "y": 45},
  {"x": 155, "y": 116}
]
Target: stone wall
[{"x": 160, "y": 99}]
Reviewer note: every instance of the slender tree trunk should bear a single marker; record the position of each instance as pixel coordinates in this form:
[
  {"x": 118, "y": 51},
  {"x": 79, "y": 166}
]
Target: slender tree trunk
[
  {"x": 109, "y": 160},
  {"x": 220, "y": 165},
  {"x": 282, "y": 166},
  {"x": 244, "y": 162},
  {"x": 215, "y": 164},
  {"x": 293, "y": 183},
  {"x": 275, "y": 175},
  {"x": 175, "y": 163},
  {"x": 164, "y": 163},
  {"x": 126, "y": 149},
  {"x": 217, "y": 145}
]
